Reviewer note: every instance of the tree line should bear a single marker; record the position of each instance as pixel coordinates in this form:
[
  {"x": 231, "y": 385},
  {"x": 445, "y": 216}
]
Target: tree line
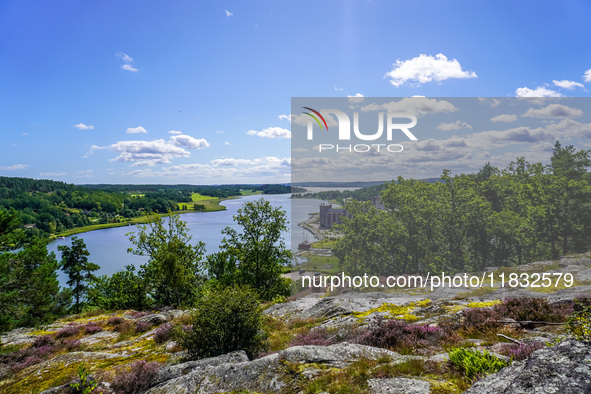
[
  {"x": 496, "y": 217},
  {"x": 48, "y": 207}
]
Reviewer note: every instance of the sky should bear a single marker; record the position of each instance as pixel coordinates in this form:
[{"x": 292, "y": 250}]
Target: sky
[{"x": 200, "y": 92}]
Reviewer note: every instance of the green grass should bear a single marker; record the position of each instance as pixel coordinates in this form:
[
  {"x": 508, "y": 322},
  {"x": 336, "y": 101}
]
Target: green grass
[
  {"x": 137, "y": 195},
  {"x": 247, "y": 192},
  {"x": 199, "y": 197},
  {"x": 92, "y": 227},
  {"x": 317, "y": 263},
  {"x": 325, "y": 244}
]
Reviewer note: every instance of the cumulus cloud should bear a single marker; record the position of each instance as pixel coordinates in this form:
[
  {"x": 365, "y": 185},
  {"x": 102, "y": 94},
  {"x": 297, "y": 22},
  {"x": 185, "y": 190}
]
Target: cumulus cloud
[
  {"x": 414, "y": 105},
  {"x": 457, "y": 125},
  {"x": 52, "y": 173},
  {"x": 129, "y": 67},
  {"x": 227, "y": 143},
  {"x": 186, "y": 141},
  {"x": 127, "y": 60},
  {"x": 505, "y": 118},
  {"x": 228, "y": 13},
  {"x": 271, "y": 132},
  {"x": 540, "y": 91},
  {"x": 553, "y": 111},
  {"x": 176, "y": 132},
  {"x": 568, "y": 85},
  {"x": 151, "y": 153},
  {"x": 587, "y": 76},
  {"x": 426, "y": 68},
  {"x": 285, "y": 117},
  {"x": 125, "y": 57},
  {"x": 136, "y": 130},
  {"x": 14, "y": 167},
  {"x": 493, "y": 103},
  {"x": 82, "y": 126}
]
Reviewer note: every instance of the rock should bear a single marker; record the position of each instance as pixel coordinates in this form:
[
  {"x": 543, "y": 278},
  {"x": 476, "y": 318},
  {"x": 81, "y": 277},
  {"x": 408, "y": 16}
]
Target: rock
[
  {"x": 564, "y": 368},
  {"x": 156, "y": 318},
  {"x": 18, "y": 337},
  {"x": 103, "y": 336},
  {"x": 509, "y": 323},
  {"x": 171, "y": 346},
  {"x": 398, "y": 386},
  {"x": 271, "y": 373}
]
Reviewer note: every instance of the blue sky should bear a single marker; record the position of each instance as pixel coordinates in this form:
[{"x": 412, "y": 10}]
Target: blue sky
[{"x": 90, "y": 91}]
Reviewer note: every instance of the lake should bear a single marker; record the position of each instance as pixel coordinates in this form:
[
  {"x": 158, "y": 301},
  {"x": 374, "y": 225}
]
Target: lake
[{"x": 108, "y": 247}]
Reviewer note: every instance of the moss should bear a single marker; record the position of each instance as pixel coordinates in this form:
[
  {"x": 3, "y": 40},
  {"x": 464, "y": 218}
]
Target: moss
[
  {"x": 484, "y": 304},
  {"x": 395, "y": 311},
  {"x": 479, "y": 292}
]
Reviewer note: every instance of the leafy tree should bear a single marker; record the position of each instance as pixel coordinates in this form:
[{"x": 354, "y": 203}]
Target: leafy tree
[
  {"x": 174, "y": 271},
  {"x": 255, "y": 256},
  {"x": 79, "y": 270},
  {"x": 225, "y": 319},
  {"x": 122, "y": 290}
]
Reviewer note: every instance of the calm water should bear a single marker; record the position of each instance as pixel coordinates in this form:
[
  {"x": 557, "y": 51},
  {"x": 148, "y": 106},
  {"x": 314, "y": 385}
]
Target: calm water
[{"x": 108, "y": 247}]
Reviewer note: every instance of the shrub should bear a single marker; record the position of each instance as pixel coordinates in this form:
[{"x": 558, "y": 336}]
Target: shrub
[
  {"x": 85, "y": 384},
  {"x": 315, "y": 337},
  {"x": 71, "y": 343},
  {"x": 67, "y": 331},
  {"x": 142, "y": 326},
  {"x": 45, "y": 340},
  {"x": 136, "y": 378},
  {"x": 163, "y": 333},
  {"x": 402, "y": 336},
  {"x": 115, "y": 320},
  {"x": 474, "y": 364},
  {"x": 579, "y": 324},
  {"x": 225, "y": 320},
  {"x": 521, "y": 351},
  {"x": 92, "y": 328},
  {"x": 480, "y": 319},
  {"x": 27, "y": 362},
  {"x": 535, "y": 309}
]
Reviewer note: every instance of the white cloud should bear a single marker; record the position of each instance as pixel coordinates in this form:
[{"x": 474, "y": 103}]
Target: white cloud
[
  {"x": 82, "y": 126},
  {"x": 25, "y": 134},
  {"x": 358, "y": 98},
  {"x": 553, "y": 111},
  {"x": 285, "y": 117},
  {"x": 338, "y": 89},
  {"x": 505, "y": 118},
  {"x": 540, "y": 91},
  {"x": 414, "y": 105},
  {"x": 227, "y": 143},
  {"x": 566, "y": 84},
  {"x": 426, "y": 68},
  {"x": 176, "y": 132},
  {"x": 129, "y": 67},
  {"x": 125, "y": 57},
  {"x": 220, "y": 131},
  {"x": 587, "y": 76},
  {"x": 457, "y": 125},
  {"x": 228, "y": 13},
  {"x": 186, "y": 141},
  {"x": 151, "y": 153},
  {"x": 493, "y": 103},
  {"x": 271, "y": 132},
  {"x": 52, "y": 173},
  {"x": 14, "y": 167},
  {"x": 136, "y": 130}
]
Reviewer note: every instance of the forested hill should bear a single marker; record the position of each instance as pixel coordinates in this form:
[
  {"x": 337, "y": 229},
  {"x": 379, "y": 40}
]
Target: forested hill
[{"x": 48, "y": 207}]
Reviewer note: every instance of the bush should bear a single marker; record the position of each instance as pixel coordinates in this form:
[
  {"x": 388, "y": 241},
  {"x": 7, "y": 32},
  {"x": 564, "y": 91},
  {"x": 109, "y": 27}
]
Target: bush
[
  {"x": 44, "y": 340},
  {"x": 317, "y": 337},
  {"x": 67, "y": 331},
  {"x": 136, "y": 378},
  {"x": 473, "y": 364},
  {"x": 579, "y": 324},
  {"x": 225, "y": 320},
  {"x": 535, "y": 309},
  {"x": 115, "y": 321},
  {"x": 163, "y": 333},
  {"x": 92, "y": 328},
  {"x": 142, "y": 326},
  {"x": 401, "y": 336},
  {"x": 521, "y": 351}
]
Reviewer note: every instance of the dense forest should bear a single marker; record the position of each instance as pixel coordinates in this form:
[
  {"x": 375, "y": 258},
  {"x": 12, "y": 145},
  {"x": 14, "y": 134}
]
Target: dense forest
[
  {"x": 495, "y": 217},
  {"x": 48, "y": 207}
]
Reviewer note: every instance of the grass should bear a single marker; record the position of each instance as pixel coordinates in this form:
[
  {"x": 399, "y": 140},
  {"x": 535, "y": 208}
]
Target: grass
[
  {"x": 318, "y": 263},
  {"x": 325, "y": 244},
  {"x": 92, "y": 227},
  {"x": 247, "y": 192}
]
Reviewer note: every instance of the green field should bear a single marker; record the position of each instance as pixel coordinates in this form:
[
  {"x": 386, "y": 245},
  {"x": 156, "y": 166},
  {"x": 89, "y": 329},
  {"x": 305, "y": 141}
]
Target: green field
[
  {"x": 211, "y": 203},
  {"x": 92, "y": 227},
  {"x": 247, "y": 192},
  {"x": 319, "y": 263}
]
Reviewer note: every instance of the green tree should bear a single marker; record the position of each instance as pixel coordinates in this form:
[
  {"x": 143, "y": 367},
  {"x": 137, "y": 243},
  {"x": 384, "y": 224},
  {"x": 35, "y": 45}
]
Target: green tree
[
  {"x": 255, "y": 256},
  {"x": 79, "y": 270},
  {"x": 122, "y": 290},
  {"x": 174, "y": 271},
  {"x": 225, "y": 319}
]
